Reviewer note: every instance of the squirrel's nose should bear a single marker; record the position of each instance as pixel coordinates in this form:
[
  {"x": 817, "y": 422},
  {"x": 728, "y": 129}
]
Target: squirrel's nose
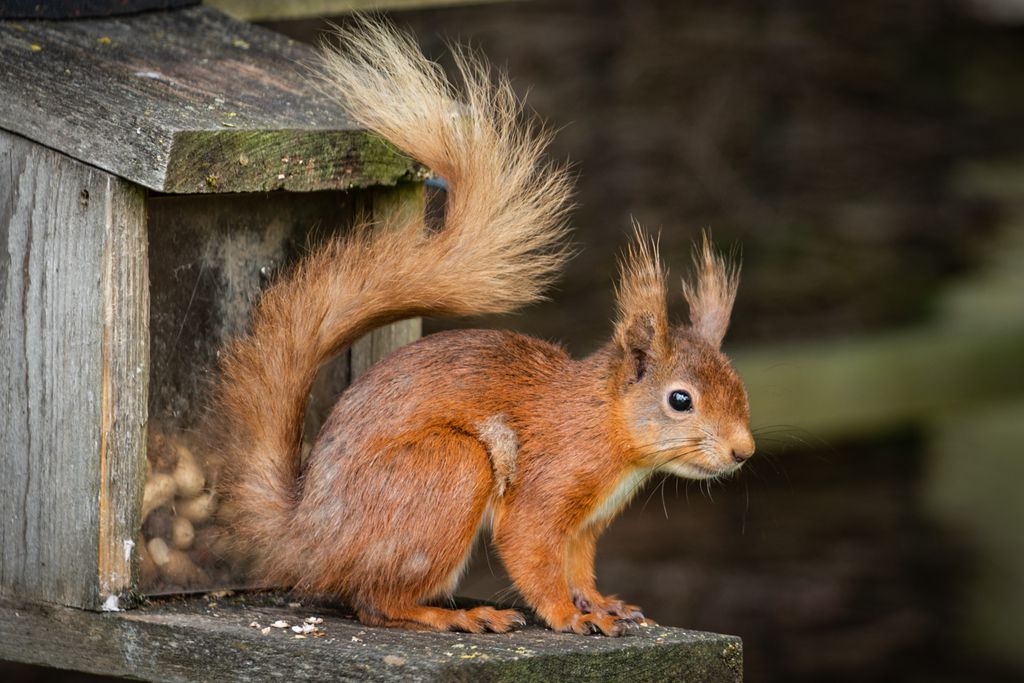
[
  {"x": 743, "y": 448},
  {"x": 741, "y": 455}
]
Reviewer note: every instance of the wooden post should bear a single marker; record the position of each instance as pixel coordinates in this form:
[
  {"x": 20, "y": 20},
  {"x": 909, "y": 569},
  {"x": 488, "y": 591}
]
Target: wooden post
[
  {"x": 388, "y": 202},
  {"x": 74, "y": 313}
]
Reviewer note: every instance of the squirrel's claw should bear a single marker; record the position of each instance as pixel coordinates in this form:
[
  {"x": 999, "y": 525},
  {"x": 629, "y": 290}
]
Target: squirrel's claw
[
  {"x": 612, "y": 606},
  {"x": 632, "y": 612},
  {"x": 497, "y": 620},
  {"x": 594, "y": 623}
]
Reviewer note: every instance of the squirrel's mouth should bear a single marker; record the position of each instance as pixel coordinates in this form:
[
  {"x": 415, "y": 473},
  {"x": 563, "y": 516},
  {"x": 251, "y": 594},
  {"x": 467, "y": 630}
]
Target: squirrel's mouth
[{"x": 693, "y": 470}]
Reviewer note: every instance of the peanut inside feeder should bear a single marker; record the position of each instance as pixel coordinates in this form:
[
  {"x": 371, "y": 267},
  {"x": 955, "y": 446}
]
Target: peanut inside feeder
[{"x": 181, "y": 547}]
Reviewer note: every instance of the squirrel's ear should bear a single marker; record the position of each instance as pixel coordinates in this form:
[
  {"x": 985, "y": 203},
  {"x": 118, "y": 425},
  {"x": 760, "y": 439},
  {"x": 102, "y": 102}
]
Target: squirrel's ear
[
  {"x": 711, "y": 292},
  {"x": 642, "y": 327}
]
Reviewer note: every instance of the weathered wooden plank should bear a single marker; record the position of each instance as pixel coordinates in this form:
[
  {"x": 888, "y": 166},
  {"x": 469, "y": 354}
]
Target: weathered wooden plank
[
  {"x": 203, "y": 639},
  {"x": 185, "y": 101},
  {"x": 386, "y": 204},
  {"x": 78, "y": 9},
  {"x": 73, "y": 375},
  {"x": 125, "y": 385},
  {"x": 266, "y": 10}
]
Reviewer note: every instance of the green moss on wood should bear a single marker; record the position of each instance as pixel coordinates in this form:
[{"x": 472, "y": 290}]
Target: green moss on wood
[
  {"x": 238, "y": 117},
  {"x": 294, "y": 160}
]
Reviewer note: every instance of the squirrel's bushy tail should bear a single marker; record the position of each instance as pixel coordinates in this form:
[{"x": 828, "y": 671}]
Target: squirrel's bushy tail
[{"x": 500, "y": 246}]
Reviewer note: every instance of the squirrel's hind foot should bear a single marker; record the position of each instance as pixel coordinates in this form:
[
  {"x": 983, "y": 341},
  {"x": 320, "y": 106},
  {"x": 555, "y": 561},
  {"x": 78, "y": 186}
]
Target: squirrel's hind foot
[{"x": 420, "y": 618}]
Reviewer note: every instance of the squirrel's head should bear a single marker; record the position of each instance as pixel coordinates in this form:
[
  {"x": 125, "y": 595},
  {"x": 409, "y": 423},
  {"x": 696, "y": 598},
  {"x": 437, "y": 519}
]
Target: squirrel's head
[{"x": 683, "y": 406}]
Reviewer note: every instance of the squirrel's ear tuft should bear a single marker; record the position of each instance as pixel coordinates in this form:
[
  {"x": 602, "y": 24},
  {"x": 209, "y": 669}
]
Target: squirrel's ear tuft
[
  {"x": 711, "y": 292},
  {"x": 642, "y": 326}
]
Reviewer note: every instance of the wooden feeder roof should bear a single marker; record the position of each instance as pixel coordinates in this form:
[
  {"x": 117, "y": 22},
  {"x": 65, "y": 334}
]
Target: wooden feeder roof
[{"x": 185, "y": 101}]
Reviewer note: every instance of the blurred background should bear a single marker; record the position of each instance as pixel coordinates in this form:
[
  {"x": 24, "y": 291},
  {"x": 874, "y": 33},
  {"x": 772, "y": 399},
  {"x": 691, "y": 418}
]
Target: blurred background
[{"x": 869, "y": 158}]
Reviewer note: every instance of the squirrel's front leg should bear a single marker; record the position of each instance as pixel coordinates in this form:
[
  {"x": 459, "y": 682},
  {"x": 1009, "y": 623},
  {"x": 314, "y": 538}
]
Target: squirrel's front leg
[
  {"x": 535, "y": 553},
  {"x": 582, "y": 549}
]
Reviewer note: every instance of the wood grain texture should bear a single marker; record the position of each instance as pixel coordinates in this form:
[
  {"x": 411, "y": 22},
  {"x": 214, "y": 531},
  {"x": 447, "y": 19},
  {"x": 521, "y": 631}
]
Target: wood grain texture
[
  {"x": 385, "y": 204},
  {"x": 205, "y": 639},
  {"x": 185, "y": 101},
  {"x": 125, "y": 385},
  {"x": 73, "y": 314},
  {"x": 78, "y": 9}
]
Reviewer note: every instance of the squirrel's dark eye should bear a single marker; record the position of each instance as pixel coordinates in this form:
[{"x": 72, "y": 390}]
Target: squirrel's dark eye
[{"x": 680, "y": 400}]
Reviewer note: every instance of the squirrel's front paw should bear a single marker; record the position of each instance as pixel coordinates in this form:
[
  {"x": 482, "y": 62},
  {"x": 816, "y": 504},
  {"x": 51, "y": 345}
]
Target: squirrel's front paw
[
  {"x": 604, "y": 624},
  {"x": 611, "y": 606}
]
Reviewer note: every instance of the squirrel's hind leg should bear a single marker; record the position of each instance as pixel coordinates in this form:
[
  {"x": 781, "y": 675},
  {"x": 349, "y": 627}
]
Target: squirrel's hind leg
[{"x": 438, "y": 483}]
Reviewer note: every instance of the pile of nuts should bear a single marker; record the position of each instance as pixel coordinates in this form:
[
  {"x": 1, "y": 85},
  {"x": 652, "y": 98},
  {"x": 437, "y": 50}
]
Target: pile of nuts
[{"x": 181, "y": 547}]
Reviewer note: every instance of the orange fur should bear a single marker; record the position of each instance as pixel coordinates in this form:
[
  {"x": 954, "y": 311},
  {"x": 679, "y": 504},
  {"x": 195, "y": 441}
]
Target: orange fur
[{"x": 461, "y": 427}]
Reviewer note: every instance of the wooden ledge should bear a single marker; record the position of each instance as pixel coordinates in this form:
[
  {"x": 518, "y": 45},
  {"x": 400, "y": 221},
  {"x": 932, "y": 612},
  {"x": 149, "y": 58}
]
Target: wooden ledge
[
  {"x": 208, "y": 638},
  {"x": 185, "y": 101}
]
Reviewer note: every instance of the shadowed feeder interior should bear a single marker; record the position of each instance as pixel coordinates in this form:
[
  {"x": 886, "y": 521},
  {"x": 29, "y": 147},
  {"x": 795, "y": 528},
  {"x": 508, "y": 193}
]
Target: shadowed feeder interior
[{"x": 210, "y": 257}]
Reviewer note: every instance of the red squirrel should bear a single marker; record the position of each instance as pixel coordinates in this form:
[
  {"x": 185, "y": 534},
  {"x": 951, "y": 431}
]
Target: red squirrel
[{"x": 470, "y": 430}]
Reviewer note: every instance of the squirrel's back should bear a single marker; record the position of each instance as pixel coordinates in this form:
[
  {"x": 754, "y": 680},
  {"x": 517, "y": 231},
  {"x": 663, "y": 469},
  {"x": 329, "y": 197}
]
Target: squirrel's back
[{"x": 458, "y": 377}]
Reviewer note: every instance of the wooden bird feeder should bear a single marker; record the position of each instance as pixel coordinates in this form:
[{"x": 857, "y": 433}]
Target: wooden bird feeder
[{"x": 155, "y": 172}]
